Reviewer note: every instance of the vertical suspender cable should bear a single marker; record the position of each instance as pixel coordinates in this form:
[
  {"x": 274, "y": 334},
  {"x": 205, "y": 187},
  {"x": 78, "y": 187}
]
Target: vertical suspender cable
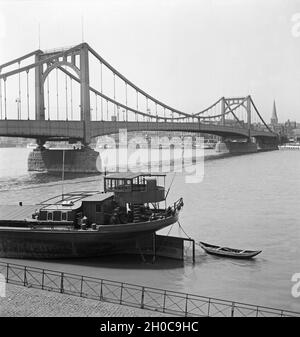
[
  {"x": 107, "y": 110},
  {"x": 19, "y": 100},
  {"x": 137, "y": 105},
  {"x": 57, "y": 105},
  {"x": 96, "y": 107},
  {"x": 147, "y": 108},
  {"x": 71, "y": 92},
  {"x": 48, "y": 98},
  {"x": 101, "y": 84},
  {"x": 67, "y": 112},
  {"x": 0, "y": 98},
  {"x": 5, "y": 112},
  {"x": 114, "y": 95},
  {"x": 126, "y": 101},
  {"x": 27, "y": 92}
]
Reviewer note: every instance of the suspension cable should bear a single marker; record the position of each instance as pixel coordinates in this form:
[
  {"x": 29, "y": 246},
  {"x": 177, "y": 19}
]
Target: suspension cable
[
  {"x": 255, "y": 108},
  {"x": 214, "y": 104},
  {"x": 113, "y": 101},
  {"x": 232, "y": 111}
]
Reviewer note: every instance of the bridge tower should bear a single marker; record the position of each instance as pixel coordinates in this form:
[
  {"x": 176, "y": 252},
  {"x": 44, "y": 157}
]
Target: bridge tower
[
  {"x": 76, "y": 58},
  {"x": 82, "y": 70},
  {"x": 39, "y": 88},
  {"x": 85, "y": 107},
  {"x": 248, "y": 109},
  {"x": 228, "y": 105}
]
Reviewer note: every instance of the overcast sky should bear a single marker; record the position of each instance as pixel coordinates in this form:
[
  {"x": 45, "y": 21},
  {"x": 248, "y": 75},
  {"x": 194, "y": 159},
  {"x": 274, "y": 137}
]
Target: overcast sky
[{"x": 186, "y": 53}]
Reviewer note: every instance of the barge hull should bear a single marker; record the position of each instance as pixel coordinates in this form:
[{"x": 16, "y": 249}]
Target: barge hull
[{"x": 26, "y": 243}]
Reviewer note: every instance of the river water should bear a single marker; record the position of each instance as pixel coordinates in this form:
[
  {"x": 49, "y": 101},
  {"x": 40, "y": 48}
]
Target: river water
[{"x": 249, "y": 201}]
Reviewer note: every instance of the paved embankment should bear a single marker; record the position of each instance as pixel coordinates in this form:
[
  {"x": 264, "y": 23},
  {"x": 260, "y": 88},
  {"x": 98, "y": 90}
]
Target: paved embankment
[{"x": 29, "y": 302}]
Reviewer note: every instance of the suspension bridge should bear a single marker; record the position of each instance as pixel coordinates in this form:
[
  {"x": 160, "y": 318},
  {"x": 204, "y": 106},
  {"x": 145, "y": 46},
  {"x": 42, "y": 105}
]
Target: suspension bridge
[{"x": 74, "y": 94}]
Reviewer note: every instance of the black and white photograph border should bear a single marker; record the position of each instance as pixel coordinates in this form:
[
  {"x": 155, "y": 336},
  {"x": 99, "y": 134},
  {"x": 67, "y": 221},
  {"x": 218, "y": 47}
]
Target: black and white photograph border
[{"x": 149, "y": 160}]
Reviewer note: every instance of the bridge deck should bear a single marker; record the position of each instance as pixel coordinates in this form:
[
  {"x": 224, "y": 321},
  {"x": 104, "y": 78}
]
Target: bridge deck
[{"x": 85, "y": 131}]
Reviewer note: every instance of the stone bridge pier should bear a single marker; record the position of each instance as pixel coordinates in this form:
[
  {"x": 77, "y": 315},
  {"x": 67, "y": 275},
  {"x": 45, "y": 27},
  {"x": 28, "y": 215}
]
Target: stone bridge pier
[
  {"x": 84, "y": 160},
  {"x": 267, "y": 144},
  {"x": 250, "y": 145}
]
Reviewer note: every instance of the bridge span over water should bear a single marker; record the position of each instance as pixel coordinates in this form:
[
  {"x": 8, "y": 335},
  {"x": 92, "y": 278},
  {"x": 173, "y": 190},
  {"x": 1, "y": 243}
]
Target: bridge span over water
[
  {"x": 64, "y": 130},
  {"x": 74, "y": 94}
]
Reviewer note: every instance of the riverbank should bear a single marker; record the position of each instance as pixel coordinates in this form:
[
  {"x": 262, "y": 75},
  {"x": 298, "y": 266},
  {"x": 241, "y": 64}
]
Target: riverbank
[{"x": 29, "y": 302}]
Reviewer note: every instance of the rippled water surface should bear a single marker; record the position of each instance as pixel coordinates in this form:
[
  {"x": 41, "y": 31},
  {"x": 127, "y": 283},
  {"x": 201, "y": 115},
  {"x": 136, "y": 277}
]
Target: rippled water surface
[{"x": 249, "y": 202}]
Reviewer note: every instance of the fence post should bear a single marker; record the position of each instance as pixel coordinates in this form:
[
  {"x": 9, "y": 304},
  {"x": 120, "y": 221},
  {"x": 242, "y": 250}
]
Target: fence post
[
  {"x": 232, "y": 309},
  {"x": 164, "y": 305},
  {"x": 81, "y": 286},
  {"x": 101, "y": 291},
  {"x": 43, "y": 278},
  {"x": 25, "y": 276},
  {"x": 208, "y": 308},
  {"x": 7, "y": 270},
  {"x": 186, "y": 305},
  {"x": 62, "y": 282},
  {"x": 121, "y": 295},
  {"x": 143, "y": 297}
]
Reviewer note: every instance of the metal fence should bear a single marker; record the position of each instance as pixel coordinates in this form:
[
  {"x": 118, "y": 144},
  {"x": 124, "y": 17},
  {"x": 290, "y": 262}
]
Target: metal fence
[{"x": 165, "y": 301}]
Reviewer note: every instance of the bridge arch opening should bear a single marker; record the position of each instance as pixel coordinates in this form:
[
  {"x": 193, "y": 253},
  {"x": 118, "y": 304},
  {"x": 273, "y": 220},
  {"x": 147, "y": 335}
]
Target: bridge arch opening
[{"x": 61, "y": 92}]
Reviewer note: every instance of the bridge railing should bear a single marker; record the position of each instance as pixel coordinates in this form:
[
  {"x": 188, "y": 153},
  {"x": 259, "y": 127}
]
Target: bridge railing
[{"x": 143, "y": 297}]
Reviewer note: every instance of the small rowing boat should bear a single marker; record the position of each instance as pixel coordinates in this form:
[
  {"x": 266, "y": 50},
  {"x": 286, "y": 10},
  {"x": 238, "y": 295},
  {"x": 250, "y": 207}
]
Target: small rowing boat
[{"x": 228, "y": 252}]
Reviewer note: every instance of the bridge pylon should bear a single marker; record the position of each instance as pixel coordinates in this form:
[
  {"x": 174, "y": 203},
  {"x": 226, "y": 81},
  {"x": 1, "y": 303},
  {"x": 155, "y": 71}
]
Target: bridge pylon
[
  {"x": 101, "y": 111},
  {"x": 85, "y": 107},
  {"x": 39, "y": 88},
  {"x": 47, "y": 61}
]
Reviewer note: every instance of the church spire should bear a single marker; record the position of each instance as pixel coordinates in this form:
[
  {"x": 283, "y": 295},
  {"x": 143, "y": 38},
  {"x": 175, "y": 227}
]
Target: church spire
[{"x": 274, "y": 118}]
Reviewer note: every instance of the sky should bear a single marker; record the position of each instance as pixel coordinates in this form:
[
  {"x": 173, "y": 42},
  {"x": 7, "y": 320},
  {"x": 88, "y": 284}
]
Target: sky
[{"x": 186, "y": 53}]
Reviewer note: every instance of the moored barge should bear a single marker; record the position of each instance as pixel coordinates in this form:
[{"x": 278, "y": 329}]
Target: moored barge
[{"x": 88, "y": 223}]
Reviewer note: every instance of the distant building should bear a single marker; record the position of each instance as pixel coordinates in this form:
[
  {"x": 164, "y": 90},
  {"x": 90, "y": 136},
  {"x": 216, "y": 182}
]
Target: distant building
[
  {"x": 286, "y": 129},
  {"x": 274, "y": 118},
  {"x": 295, "y": 135}
]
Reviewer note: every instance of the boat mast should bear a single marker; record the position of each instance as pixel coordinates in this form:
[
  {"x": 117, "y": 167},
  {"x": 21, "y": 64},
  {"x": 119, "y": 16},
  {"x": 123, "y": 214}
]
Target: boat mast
[
  {"x": 63, "y": 175},
  {"x": 170, "y": 187}
]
